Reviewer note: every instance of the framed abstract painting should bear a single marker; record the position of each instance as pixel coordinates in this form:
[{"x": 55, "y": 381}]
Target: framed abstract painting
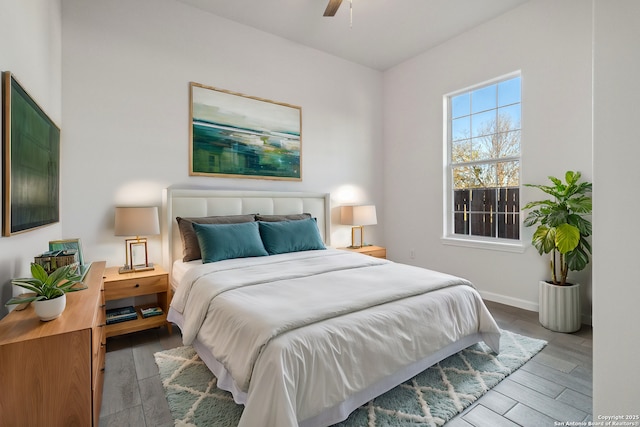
[
  {"x": 31, "y": 161},
  {"x": 238, "y": 136}
]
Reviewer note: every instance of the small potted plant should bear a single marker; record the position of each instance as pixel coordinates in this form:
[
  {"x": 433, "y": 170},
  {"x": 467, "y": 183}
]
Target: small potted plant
[
  {"x": 562, "y": 232},
  {"x": 48, "y": 291}
]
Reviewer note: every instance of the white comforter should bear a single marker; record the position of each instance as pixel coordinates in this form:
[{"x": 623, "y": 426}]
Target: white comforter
[{"x": 301, "y": 332}]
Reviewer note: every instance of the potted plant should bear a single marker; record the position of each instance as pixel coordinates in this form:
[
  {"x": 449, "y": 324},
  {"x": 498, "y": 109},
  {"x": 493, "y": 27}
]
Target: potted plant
[
  {"x": 562, "y": 232},
  {"x": 48, "y": 291}
]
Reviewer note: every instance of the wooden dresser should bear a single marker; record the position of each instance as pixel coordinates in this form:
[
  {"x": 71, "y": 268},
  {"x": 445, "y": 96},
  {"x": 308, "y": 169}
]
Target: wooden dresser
[{"x": 51, "y": 373}]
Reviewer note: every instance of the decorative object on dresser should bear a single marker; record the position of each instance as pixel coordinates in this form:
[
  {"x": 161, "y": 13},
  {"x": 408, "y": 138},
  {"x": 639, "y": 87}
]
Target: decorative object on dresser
[
  {"x": 31, "y": 161},
  {"x": 118, "y": 286},
  {"x": 562, "y": 231},
  {"x": 68, "y": 244},
  {"x": 52, "y": 260},
  {"x": 371, "y": 250},
  {"x": 51, "y": 374},
  {"x": 358, "y": 217},
  {"x": 238, "y": 136},
  {"x": 48, "y": 291},
  {"x": 136, "y": 221}
]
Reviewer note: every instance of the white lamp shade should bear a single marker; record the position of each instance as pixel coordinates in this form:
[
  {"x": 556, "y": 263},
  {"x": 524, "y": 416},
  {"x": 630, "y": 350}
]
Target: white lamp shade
[
  {"x": 358, "y": 215},
  {"x": 137, "y": 221}
]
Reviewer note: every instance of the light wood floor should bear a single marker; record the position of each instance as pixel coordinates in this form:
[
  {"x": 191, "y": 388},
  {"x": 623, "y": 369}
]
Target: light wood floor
[{"x": 556, "y": 385}]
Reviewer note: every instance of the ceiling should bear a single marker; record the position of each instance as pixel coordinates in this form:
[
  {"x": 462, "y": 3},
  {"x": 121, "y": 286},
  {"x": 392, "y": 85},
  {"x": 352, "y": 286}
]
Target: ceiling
[{"x": 383, "y": 33}]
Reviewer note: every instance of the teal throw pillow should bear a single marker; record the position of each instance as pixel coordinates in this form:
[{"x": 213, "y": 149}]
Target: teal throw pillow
[
  {"x": 225, "y": 241},
  {"x": 290, "y": 236}
]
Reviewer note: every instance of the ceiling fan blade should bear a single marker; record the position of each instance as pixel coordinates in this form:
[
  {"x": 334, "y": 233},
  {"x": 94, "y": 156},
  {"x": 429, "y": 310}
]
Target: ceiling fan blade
[{"x": 332, "y": 7}]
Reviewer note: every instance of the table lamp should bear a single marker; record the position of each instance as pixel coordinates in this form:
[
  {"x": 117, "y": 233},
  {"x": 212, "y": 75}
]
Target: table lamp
[
  {"x": 358, "y": 217},
  {"x": 136, "y": 221}
]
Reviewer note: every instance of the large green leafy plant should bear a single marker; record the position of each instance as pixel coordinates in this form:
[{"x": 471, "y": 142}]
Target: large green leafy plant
[
  {"x": 47, "y": 286},
  {"x": 562, "y": 227}
]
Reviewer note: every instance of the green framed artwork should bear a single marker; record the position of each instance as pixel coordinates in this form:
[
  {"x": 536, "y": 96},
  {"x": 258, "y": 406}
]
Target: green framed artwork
[
  {"x": 31, "y": 161},
  {"x": 238, "y": 136}
]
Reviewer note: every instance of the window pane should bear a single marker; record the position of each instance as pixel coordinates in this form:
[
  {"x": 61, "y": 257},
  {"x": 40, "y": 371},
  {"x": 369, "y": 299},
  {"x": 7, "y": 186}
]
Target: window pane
[
  {"x": 460, "y": 105},
  {"x": 461, "y": 151},
  {"x": 486, "y": 175},
  {"x": 484, "y": 200},
  {"x": 496, "y": 146},
  {"x": 483, "y": 99},
  {"x": 482, "y": 224},
  {"x": 509, "y": 226},
  {"x": 461, "y": 211},
  {"x": 464, "y": 177},
  {"x": 508, "y": 144},
  {"x": 461, "y": 128},
  {"x": 509, "y": 213},
  {"x": 509, "y": 92},
  {"x": 508, "y": 174},
  {"x": 509, "y": 117},
  {"x": 483, "y": 147},
  {"x": 509, "y": 200},
  {"x": 483, "y": 123},
  {"x": 483, "y": 212},
  {"x": 477, "y": 176}
]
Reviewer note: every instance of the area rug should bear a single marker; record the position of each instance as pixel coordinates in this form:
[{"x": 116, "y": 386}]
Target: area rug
[{"x": 430, "y": 399}]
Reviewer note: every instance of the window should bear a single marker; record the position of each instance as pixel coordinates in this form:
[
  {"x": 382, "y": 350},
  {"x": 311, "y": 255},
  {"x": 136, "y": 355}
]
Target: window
[{"x": 483, "y": 162}]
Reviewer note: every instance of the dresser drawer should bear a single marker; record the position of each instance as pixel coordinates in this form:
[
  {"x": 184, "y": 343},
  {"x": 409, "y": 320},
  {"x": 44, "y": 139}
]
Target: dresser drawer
[
  {"x": 98, "y": 360},
  {"x": 135, "y": 286},
  {"x": 96, "y": 391},
  {"x": 98, "y": 341}
]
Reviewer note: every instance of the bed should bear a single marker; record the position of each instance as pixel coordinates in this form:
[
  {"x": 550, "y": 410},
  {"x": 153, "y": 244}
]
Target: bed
[{"x": 303, "y": 334}]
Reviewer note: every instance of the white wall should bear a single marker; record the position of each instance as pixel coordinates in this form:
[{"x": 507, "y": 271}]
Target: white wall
[
  {"x": 126, "y": 73},
  {"x": 550, "y": 42},
  {"x": 30, "y": 48},
  {"x": 616, "y": 333}
]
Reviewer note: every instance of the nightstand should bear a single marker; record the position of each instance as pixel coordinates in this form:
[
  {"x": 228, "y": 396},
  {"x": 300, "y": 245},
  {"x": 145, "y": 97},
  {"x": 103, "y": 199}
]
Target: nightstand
[
  {"x": 374, "y": 251},
  {"x": 127, "y": 285}
]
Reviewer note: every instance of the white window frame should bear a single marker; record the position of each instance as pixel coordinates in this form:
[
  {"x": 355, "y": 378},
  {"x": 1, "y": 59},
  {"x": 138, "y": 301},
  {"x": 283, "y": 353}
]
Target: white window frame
[{"x": 448, "y": 235}]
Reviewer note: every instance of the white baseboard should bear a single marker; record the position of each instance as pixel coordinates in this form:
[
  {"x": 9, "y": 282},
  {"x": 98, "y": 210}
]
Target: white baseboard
[
  {"x": 523, "y": 304},
  {"x": 514, "y": 302}
]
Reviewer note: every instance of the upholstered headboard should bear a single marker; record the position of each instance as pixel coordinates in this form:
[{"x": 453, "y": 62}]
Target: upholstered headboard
[{"x": 205, "y": 202}]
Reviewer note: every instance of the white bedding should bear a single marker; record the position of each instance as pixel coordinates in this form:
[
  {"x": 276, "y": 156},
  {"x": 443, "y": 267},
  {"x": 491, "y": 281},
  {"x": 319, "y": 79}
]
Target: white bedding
[{"x": 301, "y": 332}]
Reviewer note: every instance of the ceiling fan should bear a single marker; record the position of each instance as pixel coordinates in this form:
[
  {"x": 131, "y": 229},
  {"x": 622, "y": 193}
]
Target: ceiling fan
[{"x": 332, "y": 7}]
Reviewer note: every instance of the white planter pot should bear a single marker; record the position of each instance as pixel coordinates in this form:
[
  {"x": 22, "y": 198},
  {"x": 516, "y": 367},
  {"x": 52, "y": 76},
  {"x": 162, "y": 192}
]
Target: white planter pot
[
  {"x": 560, "y": 307},
  {"x": 50, "y": 309}
]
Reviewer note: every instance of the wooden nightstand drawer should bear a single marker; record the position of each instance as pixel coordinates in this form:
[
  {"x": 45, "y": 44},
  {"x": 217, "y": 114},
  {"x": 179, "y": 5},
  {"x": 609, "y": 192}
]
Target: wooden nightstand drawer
[
  {"x": 136, "y": 286},
  {"x": 374, "y": 251},
  {"x": 377, "y": 252}
]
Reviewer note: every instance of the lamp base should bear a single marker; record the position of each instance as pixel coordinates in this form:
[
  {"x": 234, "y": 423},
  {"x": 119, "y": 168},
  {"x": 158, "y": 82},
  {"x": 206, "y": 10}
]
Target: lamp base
[{"x": 136, "y": 268}]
